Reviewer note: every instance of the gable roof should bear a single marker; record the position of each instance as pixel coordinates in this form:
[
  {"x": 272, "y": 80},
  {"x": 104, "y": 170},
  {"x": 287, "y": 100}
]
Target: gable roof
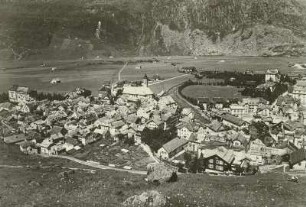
[
  {"x": 174, "y": 144},
  {"x": 216, "y": 126},
  {"x": 141, "y": 91},
  {"x": 233, "y": 119},
  {"x": 225, "y": 154}
]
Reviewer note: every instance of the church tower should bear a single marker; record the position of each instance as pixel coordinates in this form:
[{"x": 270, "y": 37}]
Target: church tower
[{"x": 145, "y": 81}]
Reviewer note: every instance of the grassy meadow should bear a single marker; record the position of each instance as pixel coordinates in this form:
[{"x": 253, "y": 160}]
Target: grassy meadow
[
  {"x": 92, "y": 74},
  {"x": 196, "y": 91},
  {"x": 39, "y": 183}
]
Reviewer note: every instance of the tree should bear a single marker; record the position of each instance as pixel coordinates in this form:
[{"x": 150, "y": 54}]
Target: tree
[
  {"x": 156, "y": 138},
  {"x": 201, "y": 163}
]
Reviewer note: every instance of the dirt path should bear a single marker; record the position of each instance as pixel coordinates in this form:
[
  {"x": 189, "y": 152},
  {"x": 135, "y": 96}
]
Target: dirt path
[
  {"x": 120, "y": 71},
  {"x": 98, "y": 166},
  {"x": 11, "y": 166},
  {"x": 169, "y": 79}
]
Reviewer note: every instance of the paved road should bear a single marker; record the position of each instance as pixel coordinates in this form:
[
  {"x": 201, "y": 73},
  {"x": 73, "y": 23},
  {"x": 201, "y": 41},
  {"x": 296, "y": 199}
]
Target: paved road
[
  {"x": 184, "y": 103},
  {"x": 120, "y": 71},
  {"x": 180, "y": 76},
  {"x": 98, "y": 166}
]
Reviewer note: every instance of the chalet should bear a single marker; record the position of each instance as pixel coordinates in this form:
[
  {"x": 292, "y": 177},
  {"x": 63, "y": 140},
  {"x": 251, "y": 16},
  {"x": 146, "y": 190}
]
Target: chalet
[
  {"x": 233, "y": 122},
  {"x": 6, "y": 106},
  {"x": 172, "y": 148},
  {"x": 216, "y": 128},
  {"x": 219, "y": 102},
  {"x": 297, "y": 157},
  {"x": 70, "y": 143},
  {"x": 134, "y": 93},
  {"x": 253, "y": 103},
  {"x": 187, "y": 112},
  {"x": 204, "y": 102},
  {"x": 167, "y": 102},
  {"x": 19, "y": 94},
  {"x": 185, "y": 129},
  {"x": 144, "y": 112},
  {"x": 47, "y": 147},
  {"x": 28, "y": 147},
  {"x": 263, "y": 111},
  {"x": 238, "y": 110},
  {"x": 15, "y": 138},
  {"x": 238, "y": 140},
  {"x": 193, "y": 144},
  {"x": 219, "y": 159},
  {"x": 272, "y": 75},
  {"x": 153, "y": 123},
  {"x": 187, "y": 69}
]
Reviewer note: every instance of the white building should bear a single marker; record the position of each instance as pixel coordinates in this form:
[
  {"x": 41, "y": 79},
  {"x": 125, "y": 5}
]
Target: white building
[
  {"x": 134, "y": 92},
  {"x": 238, "y": 110},
  {"x": 272, "y": 75},
  {"x": 19, "y": 94},
  {"x": 299, "y": 91}
]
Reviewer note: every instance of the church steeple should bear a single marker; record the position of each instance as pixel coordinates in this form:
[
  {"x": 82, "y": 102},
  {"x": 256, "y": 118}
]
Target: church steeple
[{"x": 145, "y": 81}]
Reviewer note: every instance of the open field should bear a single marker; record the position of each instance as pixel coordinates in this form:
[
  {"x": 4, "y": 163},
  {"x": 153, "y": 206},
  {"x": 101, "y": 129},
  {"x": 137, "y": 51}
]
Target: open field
[
  {"x": 164, "y": 70},
  {"x": 168, "y": 84},
  {"x": 196, "y": 91},
  {"x": 39, "y": 183},
  {"x": 136, "y": 157},
  {"x": 91, "y": 77},
  {"x": 239, "y": 63},
  {"x": 92, "y": 74}
]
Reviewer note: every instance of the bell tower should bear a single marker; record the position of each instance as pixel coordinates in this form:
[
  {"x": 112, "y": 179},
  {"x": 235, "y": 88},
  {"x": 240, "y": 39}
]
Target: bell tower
[{"x": 145, "y": 81}]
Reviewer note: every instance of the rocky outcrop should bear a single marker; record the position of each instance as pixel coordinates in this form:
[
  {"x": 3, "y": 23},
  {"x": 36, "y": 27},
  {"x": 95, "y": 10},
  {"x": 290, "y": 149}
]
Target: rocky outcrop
[
  {"x": 159, "y": 173},
  {"x": 153, "y": 27},
  {"x": 150, "y": 198}
]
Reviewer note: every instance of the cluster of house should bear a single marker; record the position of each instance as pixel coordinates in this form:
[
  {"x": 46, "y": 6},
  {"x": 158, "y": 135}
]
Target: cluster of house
[
  {"x": 125, "y": 110},
  {"x": 226, "y": 143},
  {"x": 51, "y": 127}
]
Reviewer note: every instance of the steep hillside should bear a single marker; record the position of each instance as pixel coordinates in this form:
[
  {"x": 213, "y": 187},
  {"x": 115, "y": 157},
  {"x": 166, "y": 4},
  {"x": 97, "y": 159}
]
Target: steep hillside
[{"x": 88, "y": 28}]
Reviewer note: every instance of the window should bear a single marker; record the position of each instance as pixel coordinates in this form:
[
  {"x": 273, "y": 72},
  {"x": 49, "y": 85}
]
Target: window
[
  {"x": 219, "y": 168},
  {"x": 220, "y": 162},
  {"x": 211, "y": 166},
  {"x": 211, "y": 161}
]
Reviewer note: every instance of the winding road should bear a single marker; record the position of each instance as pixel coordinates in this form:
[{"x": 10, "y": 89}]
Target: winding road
[{"x": 184, "y": 103}]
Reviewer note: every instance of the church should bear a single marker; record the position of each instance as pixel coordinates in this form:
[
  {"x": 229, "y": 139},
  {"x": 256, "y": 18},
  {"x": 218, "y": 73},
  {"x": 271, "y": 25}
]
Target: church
[{"x": 138, "y": 92}]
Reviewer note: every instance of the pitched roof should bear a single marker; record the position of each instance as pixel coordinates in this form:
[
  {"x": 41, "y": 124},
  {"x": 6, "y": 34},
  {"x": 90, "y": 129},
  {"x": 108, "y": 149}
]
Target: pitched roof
[
  {"x": 233, "y": 119},
  {"x": 216, "y": 126},
  {"x": 174, "y": 144},
  {"x": 15, "y": 138},
  {"x": 225, "y": 154},
  {"x": 141, "y": 91},
  {"x": 187, "y": 125},
  {"x": 19, "y": 89},
  {"x": 118, "y": 124},
  {"x": 71, "y": 141}
]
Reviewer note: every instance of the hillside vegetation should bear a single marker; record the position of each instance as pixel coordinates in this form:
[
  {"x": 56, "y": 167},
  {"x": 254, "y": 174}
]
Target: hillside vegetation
[{"x": 71, "y": 28}]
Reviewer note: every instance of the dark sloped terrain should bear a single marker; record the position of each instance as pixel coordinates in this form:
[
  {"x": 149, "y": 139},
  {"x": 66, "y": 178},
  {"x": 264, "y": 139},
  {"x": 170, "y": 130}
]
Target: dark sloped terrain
[{"x": 70, "y": 28}]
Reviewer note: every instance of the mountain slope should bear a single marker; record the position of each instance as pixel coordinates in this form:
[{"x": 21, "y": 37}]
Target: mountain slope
[{"x": 76, "y": 28}]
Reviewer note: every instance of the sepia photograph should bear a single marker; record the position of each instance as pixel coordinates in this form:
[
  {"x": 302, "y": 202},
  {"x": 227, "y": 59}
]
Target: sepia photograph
[{"x": 152, "y": 103}]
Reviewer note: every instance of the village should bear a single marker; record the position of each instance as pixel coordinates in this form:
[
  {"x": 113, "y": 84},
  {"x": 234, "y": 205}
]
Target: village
[{"x": 240, "y": 138}]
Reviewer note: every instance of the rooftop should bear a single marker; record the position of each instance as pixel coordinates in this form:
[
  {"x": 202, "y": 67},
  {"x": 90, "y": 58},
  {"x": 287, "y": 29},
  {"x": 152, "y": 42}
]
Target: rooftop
[
  {"x": 141, "y": 91},
  {"x": 233, "y": 119},
  {"x": 174, "y": 144}
]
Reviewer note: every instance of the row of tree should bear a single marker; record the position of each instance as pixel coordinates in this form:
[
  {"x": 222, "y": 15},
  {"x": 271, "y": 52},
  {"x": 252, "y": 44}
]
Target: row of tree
[
  {"x": 4, "y": 97},
  {"x": 156, "y": 138},
  {"x": 49, "y": 96}
]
